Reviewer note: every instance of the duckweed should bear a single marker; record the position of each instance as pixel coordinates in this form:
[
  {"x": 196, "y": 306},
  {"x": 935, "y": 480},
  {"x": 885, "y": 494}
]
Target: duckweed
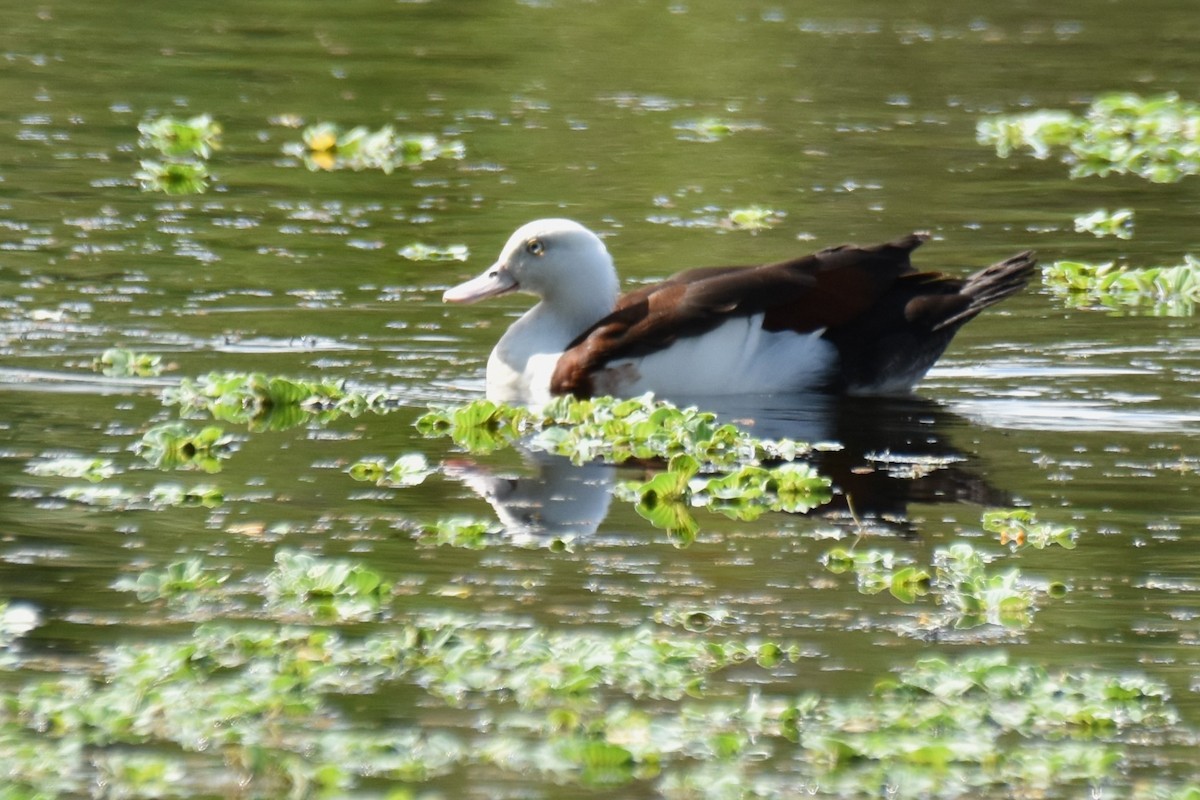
[
  {"x": 711, "y": 129},
  {"x": 1156, "y": 138},
  {"x": 175, "y": 445},
  {"x": 1163, "y": 291},
  {"x": 744, "y": 493},
  {"x": 182, "y": 149},
  {"x": 1101, "y": 223},
  {"x": 197, "y": 136},
  {"x": 270, "y": 402},
  {"x": 424, "y": 252},
  {"x": 1019, "y": 528},
  {"x": 90, "y": 469},
  {"x": 258, "y": 704},
  {"x": 326, "y": 146},
  {"x": 959, "y": 578},
  {"x": 120, "y": 362},
  {"x": 607, "y": 429},
  {"x": 166, "y": 495},
  {"x": 173, "y": 177},
  {"x": 755, "y": 218},
  {"x": 407, "y": 470}
]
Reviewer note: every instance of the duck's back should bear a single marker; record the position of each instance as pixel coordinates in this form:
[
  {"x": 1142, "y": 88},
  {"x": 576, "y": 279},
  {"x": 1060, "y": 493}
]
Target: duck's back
[{"x": 732, "y": 330}]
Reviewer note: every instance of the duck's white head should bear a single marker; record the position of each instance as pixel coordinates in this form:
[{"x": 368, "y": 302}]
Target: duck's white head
[{"x": 559, "y": 260}]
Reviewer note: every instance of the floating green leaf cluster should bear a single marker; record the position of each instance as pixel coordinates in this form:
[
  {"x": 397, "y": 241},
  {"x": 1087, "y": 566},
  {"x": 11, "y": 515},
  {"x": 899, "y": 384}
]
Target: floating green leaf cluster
[
  {"x": 711, "y": 129},
  {"x": 1101, "y": 223},
  {"x": 326, "y": 146},
  {"x": 261, "y": 707},
  {"x": 1156, "y": 138},
  {"x": 480, "y": 426},
  {"x": 1161, "y": 291},
  {"x": 1020, "y": 529},
  {"x": 167, "y": 495},
  {"x": 183, "y": 148},
  {"x": 175, "y": 445},
  {"x": 944, "y": 726},
  {"x": 176, "y": 138},
  {"x": 425, "y": 252},
  {"x": 118, "y": 362},
  {"x": 742, "y": 493},
  {"x": 407, "y": 470},
  {"x": 607, "y": 429},
  {"x": 462, "y": 532},
  {"x": 173, "y": 177},
  {"x": 325, "y": 589},
  {"x": 90, "y": 469},
  {"x": 190, "y": 578},
  {"x": 755, "y": 218},
  {"x": 959, "y": 578},
  {"x": 641, "y": 429},
  {"x": 270, "y": 402}
]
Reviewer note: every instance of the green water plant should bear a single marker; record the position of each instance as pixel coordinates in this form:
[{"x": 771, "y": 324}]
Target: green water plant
[
  {"x": 325, "y": 589},
  {"x": 176, "y": 445},
  {"x": 711, "y": 129},
  {"x": 270, "y": 704},
  {"x": 1171, "y": 291},
  {"x": 1156, "y": 138},
  {"x": 407, "y": 470},
  {"x": 90, "y": 469},
  {"x": 181, "y": 151},
  {"x": 467, "y": 533},
  {"x": 424, "y": 252},
  {"x": 265, "y": 402},
  {"x": 190, "y": 578},
  {"x": 173, "y": 177},
  {"x": 961, "y": 578},
  {"x": 119, "y": 362},
  {"x": 742, "y": 493},
  {"x": 327, "y": 146},
  {"x": 1101, "y": 223},
  {"x": 196, "y": 136},
  {"x": 160, "y": 496},
  {"x": 1020, "y": 529},
  {"x": 754, "y": 218}
]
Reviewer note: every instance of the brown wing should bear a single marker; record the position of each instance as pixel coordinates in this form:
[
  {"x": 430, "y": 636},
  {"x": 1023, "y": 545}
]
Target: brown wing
[{"x": 822, "y": 290}]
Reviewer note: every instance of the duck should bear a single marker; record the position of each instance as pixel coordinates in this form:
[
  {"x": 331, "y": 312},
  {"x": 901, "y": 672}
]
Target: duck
[{"x": 845, "y": 320}]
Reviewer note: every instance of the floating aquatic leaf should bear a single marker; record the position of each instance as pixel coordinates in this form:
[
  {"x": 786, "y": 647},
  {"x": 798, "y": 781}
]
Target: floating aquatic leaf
[
  {"x": 325, "y": 588},
  {"x": 755, "y": 218},
  {"x": 462, "y": 532},
  {"x": 270, "y": 402},
  {"x": 197, "y": 136},
  {"x": 1156, "y": 138},
  {"x": 424, "y": 252},
  {"x": 712, "y": 129},
  {"x": 479, "y": 427},
  {"x": 325, "y": 146},
  {"x": 1020, "y": 528},
  {"x": 1101, "y": 223},
  {"x": 174, "y": 445},
  {"x": 173, "y": 177},
  {"x": 407, "y": 470},
  {"x": 1166, "y": 291},
  {"x": 120, "y": 362},
  {"x": 91, "y": 469},
  {"x": 187, "y": 577}
]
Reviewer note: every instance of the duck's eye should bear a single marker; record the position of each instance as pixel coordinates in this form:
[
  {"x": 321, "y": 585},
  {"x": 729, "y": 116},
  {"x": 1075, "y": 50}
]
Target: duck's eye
[{"x": 535, "y": 247}]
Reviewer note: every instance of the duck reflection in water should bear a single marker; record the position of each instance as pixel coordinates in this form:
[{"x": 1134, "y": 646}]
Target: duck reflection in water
[{"x": 889, "y": 453}]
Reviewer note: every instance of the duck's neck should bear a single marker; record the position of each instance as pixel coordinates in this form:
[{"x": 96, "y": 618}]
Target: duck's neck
[{"x": 520, "y": 367}]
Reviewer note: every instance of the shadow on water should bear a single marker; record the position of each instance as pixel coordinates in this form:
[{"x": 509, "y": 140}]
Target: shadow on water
[{"x": 880, "y": 454}]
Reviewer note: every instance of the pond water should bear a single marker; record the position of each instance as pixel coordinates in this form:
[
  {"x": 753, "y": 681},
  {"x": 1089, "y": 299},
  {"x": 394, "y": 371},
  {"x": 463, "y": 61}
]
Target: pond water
[{"x": 854, "y": 120}]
